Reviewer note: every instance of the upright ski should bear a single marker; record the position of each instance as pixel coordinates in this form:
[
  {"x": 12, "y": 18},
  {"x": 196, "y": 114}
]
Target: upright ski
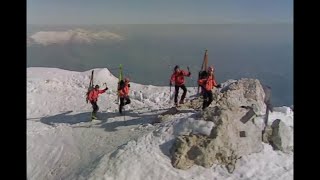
[
  {"x": 203, "y": 67},
  {"x": 120, "y": 79},
  {"x": 90, "y": 86}
]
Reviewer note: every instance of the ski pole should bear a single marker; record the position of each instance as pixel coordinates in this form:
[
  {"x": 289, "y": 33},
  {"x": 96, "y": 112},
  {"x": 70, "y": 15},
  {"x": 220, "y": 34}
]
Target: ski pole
[
  {"x": 124, "y": 114},
  {"x": 170, "y": 94}
]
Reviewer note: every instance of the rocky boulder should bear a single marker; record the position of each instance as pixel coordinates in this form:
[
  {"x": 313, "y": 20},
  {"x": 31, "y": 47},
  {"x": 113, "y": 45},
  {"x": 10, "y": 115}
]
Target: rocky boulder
[
  {"x": 236, "y": 112},
  {"x": 281, "y": 137},
  {"x": 229, "y": 140},
  {"x": 244, "y": 92}
]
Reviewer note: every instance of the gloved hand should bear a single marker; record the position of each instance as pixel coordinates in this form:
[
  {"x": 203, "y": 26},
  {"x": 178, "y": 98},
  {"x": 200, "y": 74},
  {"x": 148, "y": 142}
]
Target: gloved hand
[
  {"x": 218, "y": 86},
  {"x": 128, "y": 85},
  {"x": 106, "y": 88}
]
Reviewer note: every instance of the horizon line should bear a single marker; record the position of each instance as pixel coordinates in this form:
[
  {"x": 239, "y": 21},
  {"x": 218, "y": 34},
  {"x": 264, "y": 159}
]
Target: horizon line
[{"x": 267, "y": 23}]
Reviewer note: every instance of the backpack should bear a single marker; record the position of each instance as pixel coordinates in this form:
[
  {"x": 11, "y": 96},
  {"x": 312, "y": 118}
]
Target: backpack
[
  {"x": 203, "y": 74},
  {"x": 90, "y": 88},
  {"x": 88, "y": 92},
  {"x": 121, "y": 84}
]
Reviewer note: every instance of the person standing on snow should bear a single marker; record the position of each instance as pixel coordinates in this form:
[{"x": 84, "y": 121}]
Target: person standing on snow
[
  {"x": 123, "y": 90},
  {"x": 207, "y": 83},
  {"x": 178, "y": 78},
  {"x": 93, "y": 98}
]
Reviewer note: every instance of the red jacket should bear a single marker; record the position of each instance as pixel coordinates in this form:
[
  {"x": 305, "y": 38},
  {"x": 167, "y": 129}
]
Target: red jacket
[
  {"x": 208, "y": 83},
  {"x": 124, "y": 92},
  {"x": 178, "y": 77},
  {"x": 93, "y": 95}
]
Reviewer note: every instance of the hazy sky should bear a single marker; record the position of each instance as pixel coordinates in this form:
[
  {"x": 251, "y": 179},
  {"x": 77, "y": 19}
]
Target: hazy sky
[{"x": 158, "y": 11}]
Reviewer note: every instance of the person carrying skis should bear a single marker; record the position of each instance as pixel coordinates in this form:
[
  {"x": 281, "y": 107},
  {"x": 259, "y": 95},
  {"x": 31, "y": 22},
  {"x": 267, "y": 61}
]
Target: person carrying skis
[
  {"x": 93, "y": 98},
  {"x": 123, "y": 90},
  {"x": 207, "y": 83},
  {"x": 178, "y": 78}
]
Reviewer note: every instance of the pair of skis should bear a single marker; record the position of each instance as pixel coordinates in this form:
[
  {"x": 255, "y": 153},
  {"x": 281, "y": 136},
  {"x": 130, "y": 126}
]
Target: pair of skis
[
  {"x": 203, "y": 67},
  {"x": 90, "y": 86},
  {"x": 120, "y": 79}
]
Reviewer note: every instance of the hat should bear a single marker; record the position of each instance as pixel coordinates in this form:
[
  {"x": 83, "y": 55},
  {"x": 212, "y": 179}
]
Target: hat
[{"x": 176, "y": 67}]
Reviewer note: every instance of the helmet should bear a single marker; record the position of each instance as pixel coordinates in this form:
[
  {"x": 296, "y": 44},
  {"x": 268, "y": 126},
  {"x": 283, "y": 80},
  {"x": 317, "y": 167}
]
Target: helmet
[
  {"x": 126, "y": 79},
  {"x": 96, "y": 86},
  {"x": 176, "y": 67}
]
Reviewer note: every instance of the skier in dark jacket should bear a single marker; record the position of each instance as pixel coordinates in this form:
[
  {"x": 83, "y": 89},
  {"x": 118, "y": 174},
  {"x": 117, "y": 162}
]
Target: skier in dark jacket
[{"x": 124, "y": 93}]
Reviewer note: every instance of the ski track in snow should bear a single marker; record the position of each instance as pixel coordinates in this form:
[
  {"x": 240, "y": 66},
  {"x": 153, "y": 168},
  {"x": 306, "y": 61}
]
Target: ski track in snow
[{"x": 62, "y": 144}]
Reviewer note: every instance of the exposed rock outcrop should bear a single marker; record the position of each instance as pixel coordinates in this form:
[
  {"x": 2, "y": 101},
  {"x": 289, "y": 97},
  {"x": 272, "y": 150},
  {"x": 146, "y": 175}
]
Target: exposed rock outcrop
[{"x": 235, "y": 111}]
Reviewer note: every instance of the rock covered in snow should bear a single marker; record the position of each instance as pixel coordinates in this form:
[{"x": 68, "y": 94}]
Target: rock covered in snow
[
  {"x": 266, "y": 135},
  {"x": 189, "y": 150},
  {"x": 244, "y": 92},
  {"x": 281, "y": 136},
  {"x": 235, "y": 112},
  {"x": 229, "y": 140}
]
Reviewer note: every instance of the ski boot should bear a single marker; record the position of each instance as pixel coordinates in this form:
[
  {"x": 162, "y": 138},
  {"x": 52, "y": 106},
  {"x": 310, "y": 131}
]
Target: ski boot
[{"x": 93, "y": 116}]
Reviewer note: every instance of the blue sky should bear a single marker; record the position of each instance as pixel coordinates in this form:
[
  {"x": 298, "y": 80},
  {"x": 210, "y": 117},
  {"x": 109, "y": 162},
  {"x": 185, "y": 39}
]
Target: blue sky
[{"x": 158, "y": 11}]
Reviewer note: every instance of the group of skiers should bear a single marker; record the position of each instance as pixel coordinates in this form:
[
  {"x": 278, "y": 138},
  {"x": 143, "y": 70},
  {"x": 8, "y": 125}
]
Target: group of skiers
[
  {"x": 206, "y": 81},
  {"x": 123, "y": 92}
]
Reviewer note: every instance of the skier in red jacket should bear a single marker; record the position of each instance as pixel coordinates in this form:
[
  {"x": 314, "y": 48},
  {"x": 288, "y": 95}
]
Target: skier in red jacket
[
  {"x": 207, "y": 84},
  {"x": 93, "y": 98},
  {"x": 123, "y": 90},
  {"x": 178, "y": 79}
]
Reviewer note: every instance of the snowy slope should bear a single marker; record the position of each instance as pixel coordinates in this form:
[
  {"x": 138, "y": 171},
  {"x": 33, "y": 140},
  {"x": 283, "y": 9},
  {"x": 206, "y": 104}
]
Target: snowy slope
[
  {"x": 148, "y": 158},
  {"x": 62, "y": 144}
]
